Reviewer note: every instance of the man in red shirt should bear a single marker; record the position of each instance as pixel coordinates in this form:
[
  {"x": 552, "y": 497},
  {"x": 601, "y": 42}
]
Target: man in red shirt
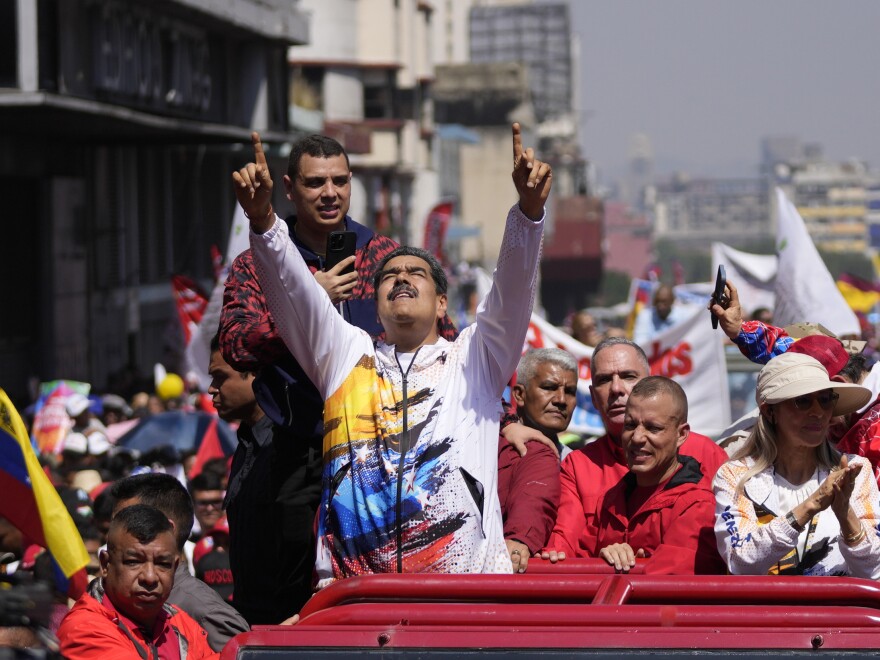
[
  {"x": 588, "y": 473},
  {"x": 661, "y": 510},
  {"x": 528, "y": 485},
  {"x": 124, "y": 614}
]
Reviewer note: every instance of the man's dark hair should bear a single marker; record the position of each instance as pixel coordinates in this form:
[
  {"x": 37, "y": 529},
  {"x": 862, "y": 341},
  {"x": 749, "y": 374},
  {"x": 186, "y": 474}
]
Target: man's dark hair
[
  {"x": 316, "y": 146},
  {"x": 608, "y": 342},
  {"x": 218, "y": 466},
  {"x": 104, "y": 505},
  {"x": 654, "y": 385},
  {"x": 142, "y": 521},
  {"x": 91, "y": 533},
  {"x": 215, "y": 348},
  {"x": 163, "y": 492},
  {"x": 437, "y": 273},
  {"x": 205, "y": 481},
  {"x": 855, "y": 368}
]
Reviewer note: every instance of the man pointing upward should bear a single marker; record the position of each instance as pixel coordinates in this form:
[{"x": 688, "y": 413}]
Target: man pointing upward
[{"x": 411, "y": 423}]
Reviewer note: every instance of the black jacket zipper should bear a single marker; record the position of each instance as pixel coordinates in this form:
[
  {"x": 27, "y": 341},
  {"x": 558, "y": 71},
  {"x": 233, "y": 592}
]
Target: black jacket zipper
[{"x": 404, "y": 447}]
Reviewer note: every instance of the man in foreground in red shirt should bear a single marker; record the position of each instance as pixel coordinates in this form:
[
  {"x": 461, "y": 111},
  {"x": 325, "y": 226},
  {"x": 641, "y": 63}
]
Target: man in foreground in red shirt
[
  {"x": 661, "y": 510},
  {"x": 124, "y": 614},
  {"x": 588, "y": 473}
]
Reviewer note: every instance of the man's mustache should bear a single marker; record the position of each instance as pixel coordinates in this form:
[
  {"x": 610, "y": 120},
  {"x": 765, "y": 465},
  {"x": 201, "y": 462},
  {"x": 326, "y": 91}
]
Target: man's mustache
[{"x": 403, "y": 287}]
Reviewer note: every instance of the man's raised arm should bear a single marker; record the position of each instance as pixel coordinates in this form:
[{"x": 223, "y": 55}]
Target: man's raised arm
[{"x": 503, "y": 316}]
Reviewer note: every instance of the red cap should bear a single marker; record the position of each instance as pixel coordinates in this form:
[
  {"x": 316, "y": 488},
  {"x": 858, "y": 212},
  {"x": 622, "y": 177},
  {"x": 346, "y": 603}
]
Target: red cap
[{"x": 827, "y": 350}]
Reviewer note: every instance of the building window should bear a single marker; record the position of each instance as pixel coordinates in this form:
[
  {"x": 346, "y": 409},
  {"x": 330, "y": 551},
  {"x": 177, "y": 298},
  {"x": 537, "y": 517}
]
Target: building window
[
  {"x": 8, "y": 45},
  {"x": 378, "y": 94},
  {"x": 307, "y": 87}
]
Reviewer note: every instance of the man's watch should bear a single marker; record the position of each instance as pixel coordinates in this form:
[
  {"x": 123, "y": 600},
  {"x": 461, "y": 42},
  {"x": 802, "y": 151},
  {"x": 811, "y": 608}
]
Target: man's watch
[{"x": 791, "y": 520}]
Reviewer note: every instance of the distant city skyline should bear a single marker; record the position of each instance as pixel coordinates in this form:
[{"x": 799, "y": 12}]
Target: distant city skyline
[{"x": 706, "y": 80}]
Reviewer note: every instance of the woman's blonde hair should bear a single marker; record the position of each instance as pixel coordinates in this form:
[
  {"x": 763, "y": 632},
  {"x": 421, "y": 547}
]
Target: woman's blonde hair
[{"x": 761, "y": 446}]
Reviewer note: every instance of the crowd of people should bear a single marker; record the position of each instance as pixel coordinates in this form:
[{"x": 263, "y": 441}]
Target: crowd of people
[{"x": 373, "y": 437}]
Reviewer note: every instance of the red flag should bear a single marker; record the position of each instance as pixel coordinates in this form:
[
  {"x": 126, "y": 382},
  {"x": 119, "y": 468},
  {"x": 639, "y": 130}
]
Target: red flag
[
  {"x": 436, "y": 227},
  {"x": 210, "y": 448},
  {"x": 191, "y": 303}
]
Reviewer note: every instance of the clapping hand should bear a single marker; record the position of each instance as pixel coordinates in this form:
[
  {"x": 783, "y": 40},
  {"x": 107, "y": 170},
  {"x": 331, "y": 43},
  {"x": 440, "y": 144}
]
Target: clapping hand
[{"x": 842, "y": 488}]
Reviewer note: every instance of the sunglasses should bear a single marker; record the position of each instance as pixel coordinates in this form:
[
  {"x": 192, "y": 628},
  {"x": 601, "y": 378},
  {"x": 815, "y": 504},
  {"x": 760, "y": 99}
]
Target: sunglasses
[
  {"x": 204, "y": 504},
  {"x": 827, "y": 400}
]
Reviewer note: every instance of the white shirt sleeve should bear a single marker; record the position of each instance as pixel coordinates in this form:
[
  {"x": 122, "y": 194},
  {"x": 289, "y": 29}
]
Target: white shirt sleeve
[
  {"x": 324, "y": 344},
  {"x": 503, "y": 315}
]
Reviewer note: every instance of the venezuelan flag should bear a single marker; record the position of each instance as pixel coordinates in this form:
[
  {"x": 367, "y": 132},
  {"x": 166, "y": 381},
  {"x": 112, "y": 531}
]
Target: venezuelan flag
[
  {"x": 860, "y": 294},
  {"x": 31, "y": 503}
]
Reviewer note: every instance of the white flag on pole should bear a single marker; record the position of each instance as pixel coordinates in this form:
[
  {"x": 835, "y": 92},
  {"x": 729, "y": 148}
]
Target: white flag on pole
[
  {"x": 805, "y": 290},
  {"x": 198, "y": 351}
]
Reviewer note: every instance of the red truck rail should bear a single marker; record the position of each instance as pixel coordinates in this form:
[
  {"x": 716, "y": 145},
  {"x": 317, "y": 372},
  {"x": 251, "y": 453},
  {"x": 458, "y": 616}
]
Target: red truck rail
[{"x": 576, "y": 608}]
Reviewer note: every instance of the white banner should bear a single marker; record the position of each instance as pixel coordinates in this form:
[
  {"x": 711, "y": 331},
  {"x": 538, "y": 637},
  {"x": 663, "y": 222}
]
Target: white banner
[
  {"x": 753, "y": 275},
  {"x": 805, "y": 290}
]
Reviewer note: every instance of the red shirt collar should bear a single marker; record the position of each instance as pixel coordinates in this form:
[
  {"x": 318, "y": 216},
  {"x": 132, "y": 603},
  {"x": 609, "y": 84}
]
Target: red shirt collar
[{"x": 154, "y": 637}]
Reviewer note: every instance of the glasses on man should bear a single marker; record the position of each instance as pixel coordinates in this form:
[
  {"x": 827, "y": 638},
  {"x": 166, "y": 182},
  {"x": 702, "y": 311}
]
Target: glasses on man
[
  {"x": 208, "y": 504},
  {"x": 827, "y": 400}
]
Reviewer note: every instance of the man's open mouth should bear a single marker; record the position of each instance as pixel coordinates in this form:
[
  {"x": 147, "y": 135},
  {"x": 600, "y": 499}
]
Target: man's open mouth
[{"x": 402, "y": 291}]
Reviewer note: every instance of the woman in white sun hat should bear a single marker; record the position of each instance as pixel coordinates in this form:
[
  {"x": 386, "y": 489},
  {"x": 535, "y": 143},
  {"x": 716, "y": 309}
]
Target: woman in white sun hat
[{"x": 787, "y": 502}]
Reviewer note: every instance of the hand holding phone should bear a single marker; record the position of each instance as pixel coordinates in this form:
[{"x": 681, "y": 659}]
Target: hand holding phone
[
  {"x": 339, "y": 285},
  {"x": 718, "y": 296},
  {"x": 340, "y": 245}
]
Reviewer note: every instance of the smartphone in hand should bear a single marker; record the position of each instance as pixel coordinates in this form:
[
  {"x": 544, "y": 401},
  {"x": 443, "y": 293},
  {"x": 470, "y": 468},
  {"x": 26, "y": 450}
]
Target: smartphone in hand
[
  {"x": 718, "y": 294},
  {"x": 340, "y": 244}
]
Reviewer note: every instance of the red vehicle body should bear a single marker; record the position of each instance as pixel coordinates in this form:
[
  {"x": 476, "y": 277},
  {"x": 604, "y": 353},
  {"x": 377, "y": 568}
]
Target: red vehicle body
[{"x": 577, "y": 608}]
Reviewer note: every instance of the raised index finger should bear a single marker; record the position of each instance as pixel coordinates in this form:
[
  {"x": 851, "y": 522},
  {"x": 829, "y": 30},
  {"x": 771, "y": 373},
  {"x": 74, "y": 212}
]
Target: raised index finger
[
  {"x": 517, "y": 142},
  {"x": 259, "y": 154}
]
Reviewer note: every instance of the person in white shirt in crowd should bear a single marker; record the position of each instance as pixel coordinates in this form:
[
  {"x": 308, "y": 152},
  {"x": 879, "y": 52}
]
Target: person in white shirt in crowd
[{"x": 788, "y": 502}]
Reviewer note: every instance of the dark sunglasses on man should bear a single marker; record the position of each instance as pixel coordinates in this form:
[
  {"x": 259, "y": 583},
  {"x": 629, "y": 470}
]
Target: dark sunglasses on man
[{"x": 204, "y": 504}]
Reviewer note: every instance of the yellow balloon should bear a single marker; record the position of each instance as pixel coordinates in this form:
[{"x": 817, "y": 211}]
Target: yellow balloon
[{"x": 171, "y": 387}]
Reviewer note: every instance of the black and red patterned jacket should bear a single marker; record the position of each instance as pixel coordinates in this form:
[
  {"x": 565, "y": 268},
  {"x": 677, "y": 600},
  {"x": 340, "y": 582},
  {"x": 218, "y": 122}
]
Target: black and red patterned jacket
[{"x": 249, "y": 340}]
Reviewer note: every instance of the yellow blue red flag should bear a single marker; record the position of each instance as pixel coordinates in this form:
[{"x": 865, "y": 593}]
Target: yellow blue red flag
[{"x": 31, "y": 503}]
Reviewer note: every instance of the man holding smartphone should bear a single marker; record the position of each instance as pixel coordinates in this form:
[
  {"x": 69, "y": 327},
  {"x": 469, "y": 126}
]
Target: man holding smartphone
[{"x": 318, "y": 183}]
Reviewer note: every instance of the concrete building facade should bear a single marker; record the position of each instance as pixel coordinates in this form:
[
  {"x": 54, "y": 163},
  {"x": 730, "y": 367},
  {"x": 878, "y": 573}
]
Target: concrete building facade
[
  {"x": 697, "y": 212},
  {"x": 365, "y": 79},
  {"x": 835, "y": 201},
  {"x": 120, "y": 123}
]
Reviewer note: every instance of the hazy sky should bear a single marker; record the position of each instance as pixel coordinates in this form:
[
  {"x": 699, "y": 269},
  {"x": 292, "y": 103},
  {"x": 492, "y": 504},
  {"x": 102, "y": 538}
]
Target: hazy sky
[{"x": 707, "y": 79}]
